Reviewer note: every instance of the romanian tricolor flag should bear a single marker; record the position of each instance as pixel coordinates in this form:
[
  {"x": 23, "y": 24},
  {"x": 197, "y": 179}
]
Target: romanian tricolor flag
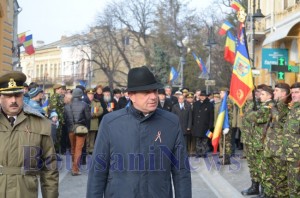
[
  {"x": 225, "y": 27},
  {"x": 29, "y": 49},
  {"x": 45, "y": 106},
  {"x": 230, "y": 45},
  {"x": 221, "y": 123},
  {"x": 209, "y": 134},
  {"x": 200, "y": 63},
  {"x": 22, "y": 37},
  {"x": 236, "y": 5},
  {"x": 241, "y": 79},
  {"x": 173, "y": 74}
]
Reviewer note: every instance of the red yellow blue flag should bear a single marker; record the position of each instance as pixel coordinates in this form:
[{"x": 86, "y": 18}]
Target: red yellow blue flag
[
  {"x": 225, "y": 27},
  {"x": 230, "y": 47},
  {"x": 173, "y": 75},
  {"x": 241, "y": 79},
  {"x": 221, "y": 123},
  {"x": 200, "y": 63},
  {"x": 236, "y": 5},
  {"x": 29, "y": 49}
]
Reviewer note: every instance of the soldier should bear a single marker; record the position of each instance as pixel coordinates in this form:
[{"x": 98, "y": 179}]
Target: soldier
[
  {"x": 96, "y": 111},
  {"x": 57, "y": 105},
  {"x": 260, "y": 120},
  {"x": 190, "y": 98},
  {"x": 247, "y": 139},
  {"x": 25, "y": 144},
  {"x": 292, "y": 141},
  {"x": 275, "y": 177}
]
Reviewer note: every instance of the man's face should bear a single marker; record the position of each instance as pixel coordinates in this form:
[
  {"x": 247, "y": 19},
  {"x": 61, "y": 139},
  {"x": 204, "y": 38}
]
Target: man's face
[
  {"x": 25, "y": 89},
  {"x": 59, "y": 91},
  {"x": 279, "y": 93},
  {"x": 202, "y": 98},
  {"x": 106, "y": 96},
  {"x": 144, "y": 101},
  {"x": 265, "y": 96},
  {"x": 180, "y": 99},
  {"x": 190, "y": 100},
  {"x": 12, "y": 104},
  {"x": 257, "y": 94},
  {"x": 162, "y": 97},
  {"x": 222, "y": 94},
  {"x": 217, "y": 99},
  {"x": 40, "y": 96},
  {"x": 168, "y": 91},
  {"x": 90, "y": 96},
  {"x": 118, "y": 95},
  {"x": 295, "y": 94}
]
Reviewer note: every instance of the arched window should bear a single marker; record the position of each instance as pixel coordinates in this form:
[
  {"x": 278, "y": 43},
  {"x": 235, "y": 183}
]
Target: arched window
[{"x": 294, "y": 52}]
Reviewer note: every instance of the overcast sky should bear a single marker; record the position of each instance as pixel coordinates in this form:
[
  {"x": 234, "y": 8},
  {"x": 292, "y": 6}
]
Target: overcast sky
[{"x": 48, "y": 20}]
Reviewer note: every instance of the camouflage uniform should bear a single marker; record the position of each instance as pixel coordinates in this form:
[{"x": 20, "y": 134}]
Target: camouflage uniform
[
  {"x": 291, "y": 142},
  {"x": 246, "y": 137},
  {"x": 275, "y": 178},
  {"x": 259, "y": 119},
  {"x": 57, "y": 105}
]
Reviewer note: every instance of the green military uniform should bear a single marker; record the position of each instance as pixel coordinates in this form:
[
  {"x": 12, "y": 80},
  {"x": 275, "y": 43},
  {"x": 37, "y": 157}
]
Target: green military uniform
[
  {"x": 56, "y": 103},
  {"x": 259, "y": 119},
  {"x": 96, "y": 111},
  {"x": 275, "y": 177},
  {"x": 292, "y": 149},
  {"x": 26, "y": 148}
]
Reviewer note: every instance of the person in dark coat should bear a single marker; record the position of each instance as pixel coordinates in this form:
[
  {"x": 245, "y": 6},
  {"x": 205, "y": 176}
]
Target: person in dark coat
[
  {"x": 77, "y": 112},
  {"x": 124, "y": 100},
  {"x": 184, "y": 112},
  {"x": 169, "y": 95},
  {"x": 132, "y": 156},
  {"x": 203, "y": 120},
  {"x": 163, "y": 102}
]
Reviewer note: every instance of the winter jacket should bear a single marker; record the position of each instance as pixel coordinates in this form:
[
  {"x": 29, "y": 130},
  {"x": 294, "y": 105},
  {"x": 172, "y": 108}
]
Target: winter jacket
[
  {"x": 30, "y": 135},
  {"x": 185, "y": 117},
  {"x": 203, "y": 118},
  {"x": 77, "y": 112},
  {"x": 132, "y": 156},
  {"x": 35, "y": 105},
  {"x": 96, "y": 111}
]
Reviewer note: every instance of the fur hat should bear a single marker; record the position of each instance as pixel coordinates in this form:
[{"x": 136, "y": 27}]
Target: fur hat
[{"x": 77, "y": 93}]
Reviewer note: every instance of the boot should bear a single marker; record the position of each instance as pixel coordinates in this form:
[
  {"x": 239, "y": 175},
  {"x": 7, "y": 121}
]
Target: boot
[
  {"x": 261, "y": 194},
  {"x": 253, "y": 190}
]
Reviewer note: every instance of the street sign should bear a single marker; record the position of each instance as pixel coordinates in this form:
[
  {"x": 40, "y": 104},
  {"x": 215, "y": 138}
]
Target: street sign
[
  {"x": 255, "y": 72},
  {"x": 285, "y": 68},
  {"x": 210, "y": 82},
  {"x": 280, "y": 75},
  {"x": 281, "y": 61}
]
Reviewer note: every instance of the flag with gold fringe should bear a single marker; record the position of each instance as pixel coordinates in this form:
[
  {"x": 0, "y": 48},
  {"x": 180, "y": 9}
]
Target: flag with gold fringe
[{"x": 241, "y": 80}]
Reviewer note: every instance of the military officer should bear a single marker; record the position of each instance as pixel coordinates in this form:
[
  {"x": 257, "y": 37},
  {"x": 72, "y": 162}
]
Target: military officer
[
  {"x": 96, "y": 111},
  {"x": 292, "y": 142},
  {"x": 26, "y": 148},
  {"x": 56, "y": 104}
]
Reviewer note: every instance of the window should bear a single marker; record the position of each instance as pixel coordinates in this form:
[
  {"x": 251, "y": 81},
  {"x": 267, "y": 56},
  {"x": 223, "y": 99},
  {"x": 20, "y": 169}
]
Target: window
[
  {"x": 37, "y": 71},
  {"x": 41, "y": 71},
  {"x": 55, "y": 70},
  {"x": 125, "y": 40}
]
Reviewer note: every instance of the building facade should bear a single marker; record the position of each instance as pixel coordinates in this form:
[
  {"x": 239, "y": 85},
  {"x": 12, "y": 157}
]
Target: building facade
[
  {"x": 276, "y": 36},
  {"x": 6, "y": 34}
]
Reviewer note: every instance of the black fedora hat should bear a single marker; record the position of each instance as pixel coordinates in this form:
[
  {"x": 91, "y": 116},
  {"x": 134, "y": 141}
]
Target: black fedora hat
[{"x": 141, "y": 79}]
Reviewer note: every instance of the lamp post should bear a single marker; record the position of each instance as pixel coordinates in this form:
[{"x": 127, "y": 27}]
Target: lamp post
[
  {"x": 256, "y": 15},
  {"x": 183, "y": 50},
  {"x": 211, "y": 42}
]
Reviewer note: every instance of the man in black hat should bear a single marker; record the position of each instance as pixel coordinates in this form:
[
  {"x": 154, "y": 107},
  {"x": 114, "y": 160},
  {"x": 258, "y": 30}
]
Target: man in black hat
[
  {"x": 203, "y": 120},
  {"x": 24, "y": 133},
  {"x": 132, "y": 155}
]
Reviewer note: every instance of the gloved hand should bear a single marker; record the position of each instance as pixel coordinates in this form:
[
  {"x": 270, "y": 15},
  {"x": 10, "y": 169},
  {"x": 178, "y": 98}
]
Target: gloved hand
[{"x": 225, "y": 131}]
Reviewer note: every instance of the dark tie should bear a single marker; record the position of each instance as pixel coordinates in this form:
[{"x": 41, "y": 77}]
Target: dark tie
[{"x": 12, "y": 121}]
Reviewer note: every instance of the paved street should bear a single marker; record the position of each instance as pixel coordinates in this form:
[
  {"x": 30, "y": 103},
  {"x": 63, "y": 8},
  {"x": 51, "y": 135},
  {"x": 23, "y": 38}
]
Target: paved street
[{"x": 208, "y": 179}]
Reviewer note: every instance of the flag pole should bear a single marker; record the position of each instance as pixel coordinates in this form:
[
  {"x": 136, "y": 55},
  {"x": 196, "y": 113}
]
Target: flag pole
[{"x": 224, "y": 148}]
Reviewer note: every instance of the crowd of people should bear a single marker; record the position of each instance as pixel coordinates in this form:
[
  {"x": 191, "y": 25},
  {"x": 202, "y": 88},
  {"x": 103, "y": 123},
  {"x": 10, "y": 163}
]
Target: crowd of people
[{"x": 266, "y": 128}]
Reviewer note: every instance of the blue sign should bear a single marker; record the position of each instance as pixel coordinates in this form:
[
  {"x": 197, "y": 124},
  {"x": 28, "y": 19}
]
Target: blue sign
[{"x": 270, "y": 57}]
